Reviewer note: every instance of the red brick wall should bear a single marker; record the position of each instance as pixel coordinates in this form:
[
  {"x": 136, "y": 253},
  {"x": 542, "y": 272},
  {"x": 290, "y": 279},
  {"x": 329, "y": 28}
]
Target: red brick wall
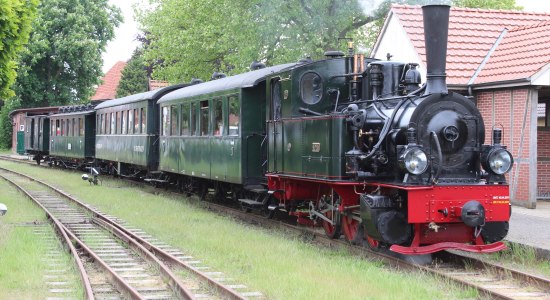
[
  {"x": 543, "y": 162},
  {"x": 511, "y": 109}
]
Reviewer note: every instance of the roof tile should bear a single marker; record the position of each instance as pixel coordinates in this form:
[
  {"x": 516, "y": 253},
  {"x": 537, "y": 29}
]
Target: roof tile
[
  {"x": 107, "y": 90},
  {"x": 472, "y": 34}
]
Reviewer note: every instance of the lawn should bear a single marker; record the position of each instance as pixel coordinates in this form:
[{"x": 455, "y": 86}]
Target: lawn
[{"x": 279, "y": 266}]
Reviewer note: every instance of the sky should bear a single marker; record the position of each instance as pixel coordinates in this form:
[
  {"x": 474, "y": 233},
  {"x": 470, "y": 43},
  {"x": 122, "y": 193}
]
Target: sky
[{"x": 122, "y": 47}]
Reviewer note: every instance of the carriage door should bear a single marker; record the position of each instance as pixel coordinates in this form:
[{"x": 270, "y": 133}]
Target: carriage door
[
  {"x": 275, "y": 128},
  {"x": 33, "y": 133}
]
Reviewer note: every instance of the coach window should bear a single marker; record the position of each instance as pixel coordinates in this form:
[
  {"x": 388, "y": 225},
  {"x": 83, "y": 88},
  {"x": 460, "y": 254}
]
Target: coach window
[
  {"x": 234, "y": 115},
  {"x": 124, "y": 128},
  {"x": 130, "y": 121},
  {"x": 57, "y": 127},
  {"x": 184, "y": 122},
  {"x": 62, "y": 127},
  {"x": 113, "y": 122},
  {"x": 193, "y": 120},
  {"x": 218, "y": 117},
  {"x": 174, "y": 120},
  {"x": 165, "y": 121},
  {"x": 143, "y": 121},
  {"x": 136, "y": 121},
  {"x": 204, "y": 130},
  {"x": 81, "y": 126}
]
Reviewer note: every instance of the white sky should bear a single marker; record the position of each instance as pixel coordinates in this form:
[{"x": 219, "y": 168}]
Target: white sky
[{"x": 122, "y": 47}]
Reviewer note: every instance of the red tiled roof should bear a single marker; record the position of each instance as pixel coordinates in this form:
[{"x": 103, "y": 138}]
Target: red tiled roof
[
  {"x": 521, "y": 53},
  {"x": 107, "y": 90},
  {"x": 472, "y": 33}
]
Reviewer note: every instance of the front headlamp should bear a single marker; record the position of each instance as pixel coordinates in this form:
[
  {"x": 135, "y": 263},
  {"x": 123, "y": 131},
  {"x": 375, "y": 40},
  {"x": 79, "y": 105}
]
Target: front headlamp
[
  {"x": 499, "y": 161},
  {"x": 415, "y": 160}
]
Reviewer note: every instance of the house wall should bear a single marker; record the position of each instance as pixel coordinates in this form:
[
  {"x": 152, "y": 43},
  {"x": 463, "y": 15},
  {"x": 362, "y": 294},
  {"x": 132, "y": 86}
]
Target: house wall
[
  {"x": 543, "y": 163},
  {"x": 395, "y": 41},
  {"x": 514, "y": 110}
]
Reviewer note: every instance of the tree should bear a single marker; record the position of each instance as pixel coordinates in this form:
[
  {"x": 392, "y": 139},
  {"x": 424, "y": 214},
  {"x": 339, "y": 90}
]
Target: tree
[
  {"x": 62, "y": 62},
  {"x": 491, "y": 4},
  {"x": 197, "y": 37},
  {"x": 15, "y": 25},
  {"x": 134, "y": 76}
]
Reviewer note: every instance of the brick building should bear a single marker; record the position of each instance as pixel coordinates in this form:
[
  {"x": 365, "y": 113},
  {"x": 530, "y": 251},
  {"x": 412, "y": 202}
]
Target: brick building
[{"x": 502, "y": 59}]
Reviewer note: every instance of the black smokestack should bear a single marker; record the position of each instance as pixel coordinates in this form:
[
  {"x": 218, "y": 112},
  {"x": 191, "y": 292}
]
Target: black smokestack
[{"x": 436, "y": 29}]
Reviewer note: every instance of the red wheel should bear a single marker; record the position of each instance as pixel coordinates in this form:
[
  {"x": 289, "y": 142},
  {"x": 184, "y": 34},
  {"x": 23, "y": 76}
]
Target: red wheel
[
  {"x": 333, "y": 230},
  {"x": 353, "y": 231},
  {"x": 372, "y": 243}
]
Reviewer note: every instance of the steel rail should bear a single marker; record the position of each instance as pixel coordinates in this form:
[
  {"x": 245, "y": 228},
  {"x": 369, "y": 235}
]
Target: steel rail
[
  {"x": 377, "y": 256},
  {"x": 174, "y": 282},
  {"x": 61, "y": 230},
  {"x": 226, "y": 291}
]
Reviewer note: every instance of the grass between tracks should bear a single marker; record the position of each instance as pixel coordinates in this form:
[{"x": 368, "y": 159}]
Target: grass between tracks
[
  {"x": 281, "y": 267},
  {"x": 22, "y": 253}
]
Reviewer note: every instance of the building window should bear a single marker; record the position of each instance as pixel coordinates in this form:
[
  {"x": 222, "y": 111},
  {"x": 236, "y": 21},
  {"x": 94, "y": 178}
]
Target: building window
[{"x": 543, "y": 113}]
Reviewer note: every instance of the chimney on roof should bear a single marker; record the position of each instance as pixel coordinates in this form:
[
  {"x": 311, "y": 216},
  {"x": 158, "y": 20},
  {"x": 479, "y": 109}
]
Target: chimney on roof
[{"x": 436, "y": 30}]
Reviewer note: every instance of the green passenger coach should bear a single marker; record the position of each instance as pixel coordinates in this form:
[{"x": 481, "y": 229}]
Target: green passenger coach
[
  {"x": 72, "y": 137},
  {"x": 216, "y": 131},
  {"x": 127, "y": 133}
]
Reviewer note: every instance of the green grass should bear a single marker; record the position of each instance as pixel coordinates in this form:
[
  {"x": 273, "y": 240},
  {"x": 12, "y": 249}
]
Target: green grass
[
  {"x": 522, "y": 257},
  {"x": 22, "y": 267},
  {"x": 281, "y": 267}
]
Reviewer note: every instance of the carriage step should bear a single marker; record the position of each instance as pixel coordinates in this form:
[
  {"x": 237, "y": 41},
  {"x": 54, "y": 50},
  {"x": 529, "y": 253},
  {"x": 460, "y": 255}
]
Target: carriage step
[
  {"x": 251, "y": 202},
  {"x": 276, "y": 191},
  {"x": 155, "y": 180}
]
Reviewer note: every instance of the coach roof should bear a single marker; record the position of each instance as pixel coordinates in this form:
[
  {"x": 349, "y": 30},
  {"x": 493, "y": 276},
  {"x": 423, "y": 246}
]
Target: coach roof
[
  {"x": 244, "y": 80},
  {"x": 151, "y": 95}
]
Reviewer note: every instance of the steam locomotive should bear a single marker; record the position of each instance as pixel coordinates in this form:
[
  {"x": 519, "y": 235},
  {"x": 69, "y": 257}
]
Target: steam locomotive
[{"x": 349, "y": 143}]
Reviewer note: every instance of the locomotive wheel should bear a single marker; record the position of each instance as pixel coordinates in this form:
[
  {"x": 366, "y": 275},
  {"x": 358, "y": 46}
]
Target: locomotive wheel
[
  {"x": 352, "y": 229},
  {"x": 333, "y": 231},
  {"x": 372, "y": 243}
]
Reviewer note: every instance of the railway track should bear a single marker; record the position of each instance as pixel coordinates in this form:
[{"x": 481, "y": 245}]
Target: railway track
[
  {"x": 489, "y": 279},
  {"x": 120, "y": 262}
]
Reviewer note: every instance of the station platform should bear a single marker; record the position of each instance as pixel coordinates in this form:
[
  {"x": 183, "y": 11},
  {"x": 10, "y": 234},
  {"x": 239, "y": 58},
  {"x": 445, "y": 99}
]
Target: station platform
[{"x": 531, "y": 227}]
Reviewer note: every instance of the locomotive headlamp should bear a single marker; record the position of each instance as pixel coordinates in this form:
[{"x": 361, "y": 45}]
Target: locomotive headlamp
[
  {"x": 499, "y": 161},
  {"x": 415, "y": 160}
]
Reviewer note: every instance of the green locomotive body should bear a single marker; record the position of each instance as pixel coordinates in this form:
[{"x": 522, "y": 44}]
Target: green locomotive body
[{"x": 307, "y": 138}]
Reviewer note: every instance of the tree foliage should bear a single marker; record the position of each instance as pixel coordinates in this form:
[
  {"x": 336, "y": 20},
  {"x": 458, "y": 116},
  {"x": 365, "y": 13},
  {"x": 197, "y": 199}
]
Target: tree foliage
[
  {"x": 491, "y": 4},
  {"x": 195, "y": 38},
  {"x": 15, "y": 25},
  {"x": 134, "y": 76},
  {"x": 62, "y": 62}
]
